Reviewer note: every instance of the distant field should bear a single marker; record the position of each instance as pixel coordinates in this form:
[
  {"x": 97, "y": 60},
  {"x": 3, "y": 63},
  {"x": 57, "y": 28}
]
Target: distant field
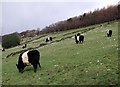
[{"x": 66, "y": 63}]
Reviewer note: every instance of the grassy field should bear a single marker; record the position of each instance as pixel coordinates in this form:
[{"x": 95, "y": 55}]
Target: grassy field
[{"x": 65, "y": 63}]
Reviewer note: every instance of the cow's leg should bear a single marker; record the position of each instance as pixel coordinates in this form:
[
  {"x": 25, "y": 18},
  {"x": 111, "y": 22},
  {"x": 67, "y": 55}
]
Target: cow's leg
[
  {"x": 22, "y": 71},
  {"x": 39, "y": 64},
  {"x": 35, "y": 67},
  {"x": 76, "y": 42},
  {"x": 110, "y": 35},
  {"x": 80, "y": 41}
]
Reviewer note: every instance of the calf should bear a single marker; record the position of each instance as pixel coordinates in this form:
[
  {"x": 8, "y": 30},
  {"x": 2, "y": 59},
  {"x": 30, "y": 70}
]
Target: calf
[
  {"x": 30, "y": 57},
  {"x": 109, "y": 33},
  {"x": 79, "y": 38}
]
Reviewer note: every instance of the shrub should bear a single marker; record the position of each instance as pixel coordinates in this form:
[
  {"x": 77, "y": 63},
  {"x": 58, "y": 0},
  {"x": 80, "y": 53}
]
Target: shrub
[{"x": 10, "y": 40}]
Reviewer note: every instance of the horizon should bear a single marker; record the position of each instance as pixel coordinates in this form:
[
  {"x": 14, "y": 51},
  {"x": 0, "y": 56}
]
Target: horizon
[{"x": 33, "y": 15}]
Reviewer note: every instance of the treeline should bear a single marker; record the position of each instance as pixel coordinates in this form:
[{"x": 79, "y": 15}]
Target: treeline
[{"x": 97, "y": 16}]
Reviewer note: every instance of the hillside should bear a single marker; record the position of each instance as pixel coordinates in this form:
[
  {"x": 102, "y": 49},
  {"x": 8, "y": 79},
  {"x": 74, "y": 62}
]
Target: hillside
[{"x": 66, "y": 63}]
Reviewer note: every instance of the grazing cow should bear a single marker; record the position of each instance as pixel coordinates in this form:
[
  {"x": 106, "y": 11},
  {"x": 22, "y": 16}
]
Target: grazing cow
[
  {"x": 30, "y": 57},
  {"x": 24, "y": 46},
  {"x": 109, "y": 33},
  {"x": 3, "y": 49},
  {"x": 79, "y": 38},
  {"x": 48, "y": 39}
]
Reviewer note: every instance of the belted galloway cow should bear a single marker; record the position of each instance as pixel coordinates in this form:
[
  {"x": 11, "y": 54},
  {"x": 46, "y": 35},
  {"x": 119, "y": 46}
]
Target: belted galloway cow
[{"x": 27, "y": 58}]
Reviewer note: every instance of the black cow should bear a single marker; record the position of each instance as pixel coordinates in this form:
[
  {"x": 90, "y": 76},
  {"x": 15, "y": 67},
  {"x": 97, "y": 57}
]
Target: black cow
[
  {"x": 109, "y": 33},
  {"x": 48, "y": 39},
  {"x": 28, "y": 58},
  {"x": 79, "y": 38}
]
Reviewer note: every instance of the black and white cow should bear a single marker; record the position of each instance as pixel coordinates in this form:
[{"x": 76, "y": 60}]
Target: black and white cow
[
  {"x": 48, "y": 39},
  {"x": 79, "y": 38},
  {"x": 3, "y": 49},
  {"x": 30, "y": 57},
  {"x": 24, "y": 46},
  {"x": 109, "y": 33}
]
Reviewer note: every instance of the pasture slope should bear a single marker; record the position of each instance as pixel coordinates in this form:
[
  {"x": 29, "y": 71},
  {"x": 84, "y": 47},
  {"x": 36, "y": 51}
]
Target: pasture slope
[{"x": 65, "y": 63}]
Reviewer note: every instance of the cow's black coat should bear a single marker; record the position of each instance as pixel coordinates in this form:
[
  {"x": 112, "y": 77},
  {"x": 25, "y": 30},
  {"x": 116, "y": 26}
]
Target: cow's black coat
[{"x": 81, "y": 38}]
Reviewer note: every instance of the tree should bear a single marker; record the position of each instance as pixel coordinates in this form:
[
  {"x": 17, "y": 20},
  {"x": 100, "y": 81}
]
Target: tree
[
  {"x": 10, "y": 40},
  {"x": 98, "y": 16}
]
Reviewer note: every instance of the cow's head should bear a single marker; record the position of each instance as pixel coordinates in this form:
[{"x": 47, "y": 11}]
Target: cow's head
[{"x": 20, "y": 68}]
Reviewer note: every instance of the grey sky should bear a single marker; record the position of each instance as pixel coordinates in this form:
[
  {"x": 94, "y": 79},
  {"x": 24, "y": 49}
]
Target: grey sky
[{"x": 21, "y": 16}]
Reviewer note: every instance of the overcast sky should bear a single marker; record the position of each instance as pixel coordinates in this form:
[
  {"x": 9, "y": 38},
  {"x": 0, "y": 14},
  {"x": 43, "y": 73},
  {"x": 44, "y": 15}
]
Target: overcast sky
[{"x": 18, "y": 15}]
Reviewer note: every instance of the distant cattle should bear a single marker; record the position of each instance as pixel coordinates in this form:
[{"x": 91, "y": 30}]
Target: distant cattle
[
  {"x": 30, "y": 57},
  {"x": 108, "y": 23},
  {"x": 24, "y": 46},
  {"x": 79, "y": 38},
  {"x": 48, "y": 39},
  {"x": 101, "y": 25},
  {"x": 109, "y": 33},
  {"x": 3, "y": 49}
]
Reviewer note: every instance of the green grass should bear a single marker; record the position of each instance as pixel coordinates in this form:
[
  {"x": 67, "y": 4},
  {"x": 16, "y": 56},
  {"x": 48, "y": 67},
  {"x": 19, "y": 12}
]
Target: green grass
[{"x": 65, "y": 63}]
